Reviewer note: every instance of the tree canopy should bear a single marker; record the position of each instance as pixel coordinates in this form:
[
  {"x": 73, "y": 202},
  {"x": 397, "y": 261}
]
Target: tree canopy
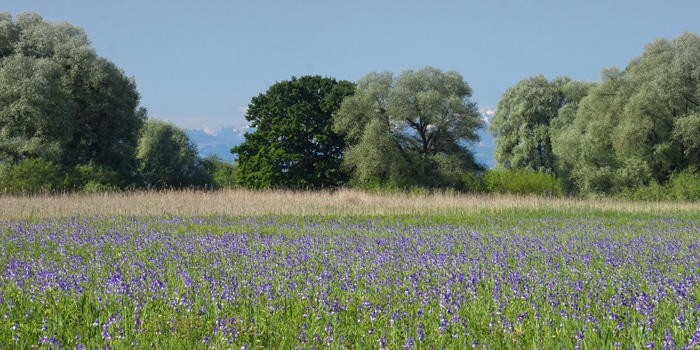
[
  {"x": 639, "y": 125},
  {"x": 60, "y": 101},
  {"x": 70, "y": 119},
  {"x": 293, "y": 145},
  {"x": 410, "y": 130},
  {"x": 636, "y": 127},
  {"x": 522, "y": 121}
]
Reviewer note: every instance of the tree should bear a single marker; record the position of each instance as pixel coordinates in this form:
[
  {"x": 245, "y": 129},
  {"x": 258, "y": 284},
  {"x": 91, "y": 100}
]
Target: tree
[
  {"x": 521, "y": 124},
  {"x": 62, "y": 102},
  {"x": 639, "y": 125},
  {"x": 168, "y": 158},
  {"x": 35, "y": 113},
  {"x": 575, "y": 91},
  {"x": 293, "y": 145},
  {"x": 585, "y": 147},
  {"x": 412, "y": 130}
]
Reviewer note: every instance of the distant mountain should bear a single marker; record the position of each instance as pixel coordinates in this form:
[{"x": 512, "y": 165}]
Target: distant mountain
[
  {"x": 218, "y": 142},
  {"x": 221, "y": 141}
]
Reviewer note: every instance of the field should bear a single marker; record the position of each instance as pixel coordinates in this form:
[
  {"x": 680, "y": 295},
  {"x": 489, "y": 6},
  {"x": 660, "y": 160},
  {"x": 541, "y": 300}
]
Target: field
[{"x": 346, "y": 270}]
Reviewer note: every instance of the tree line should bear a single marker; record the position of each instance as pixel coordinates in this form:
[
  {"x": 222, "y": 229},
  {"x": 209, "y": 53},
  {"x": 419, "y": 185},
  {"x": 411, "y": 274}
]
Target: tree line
[
  {"x": 71, "y": 120},
  {"x": 634, "y": 133},
  {"x": 412, "y": 130}
]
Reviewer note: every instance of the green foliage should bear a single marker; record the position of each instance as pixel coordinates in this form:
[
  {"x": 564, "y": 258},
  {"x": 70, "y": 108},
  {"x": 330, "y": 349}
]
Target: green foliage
[
  {"x": 521, "y": 124},
  {"x": 34, "y": 175},
  {"x": 222, "y": 172},
  {"x": 412, "y": 130},
  {"x": 293, "y": 145},
  {"x": 650, "y": 192},
  {"x": 473, "y": 182},
  {"x": 31, "y": 176},
  {"x": 686, "y": 131},
  {"x": 34, "y": 111},
  {"x": 684, "y": 186},
  {"x": 521, "y": 181},
  {"x": 62, "y": 102},
  {"x": 168, "y": 158},
  {"x": 93, "y": 177},
  {"x": 638, "y": 127}
]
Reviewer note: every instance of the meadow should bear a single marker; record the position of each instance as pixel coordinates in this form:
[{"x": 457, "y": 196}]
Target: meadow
[{"x": 237, "y": 269}]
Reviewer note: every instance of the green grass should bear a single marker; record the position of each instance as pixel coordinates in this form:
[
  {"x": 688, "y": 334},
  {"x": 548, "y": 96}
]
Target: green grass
[{"x": 505, "y": 278}]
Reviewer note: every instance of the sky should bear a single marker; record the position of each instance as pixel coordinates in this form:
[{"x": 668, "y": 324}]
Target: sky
[{"x": 199, "y": 63}]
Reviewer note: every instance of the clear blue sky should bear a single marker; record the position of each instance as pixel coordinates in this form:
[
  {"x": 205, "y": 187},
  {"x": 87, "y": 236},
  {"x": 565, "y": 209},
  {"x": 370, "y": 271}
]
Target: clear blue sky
[{"x": 198, "y": 63}]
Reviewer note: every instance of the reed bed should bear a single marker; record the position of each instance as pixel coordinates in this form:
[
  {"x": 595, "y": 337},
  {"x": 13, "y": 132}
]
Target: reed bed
[{"x": 240, "y": 202}]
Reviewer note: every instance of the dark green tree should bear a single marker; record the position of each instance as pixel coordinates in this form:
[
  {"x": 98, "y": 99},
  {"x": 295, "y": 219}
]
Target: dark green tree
[
  {"x": 293, "y": 145},
  {"x": 62, "y": 102},
  {"x": 412, "y": 130},
  {"x": 168, "y": 158}
]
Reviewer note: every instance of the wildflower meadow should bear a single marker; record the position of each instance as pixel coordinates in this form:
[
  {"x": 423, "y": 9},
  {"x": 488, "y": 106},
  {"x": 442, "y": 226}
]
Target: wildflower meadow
[{"x": 506, "y": 279}]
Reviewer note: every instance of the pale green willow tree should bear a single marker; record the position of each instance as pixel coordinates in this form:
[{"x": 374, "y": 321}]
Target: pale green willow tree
[
  {"x": 62, "y": 102},
  {"x": 639, "y": 125},
  {"x": 585, "y": 147},
  {"x": 574, "y": 91},
  {"x": 35, "y": 113},
  {"x": 521, "y": 124},
  {"x": 410, "y": 130}
]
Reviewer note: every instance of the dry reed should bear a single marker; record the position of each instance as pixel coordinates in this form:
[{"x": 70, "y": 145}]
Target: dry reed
[{"x": 239, "y": 202}]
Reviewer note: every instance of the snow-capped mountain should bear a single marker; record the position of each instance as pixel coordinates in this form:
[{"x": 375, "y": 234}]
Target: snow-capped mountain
[{"x": 218, "y": 142}]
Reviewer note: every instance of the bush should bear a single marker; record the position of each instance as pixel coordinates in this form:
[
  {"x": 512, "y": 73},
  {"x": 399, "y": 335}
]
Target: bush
[
  {"x": 93, "y": 177},
  {"x": 684, "y": 186},
  {"x": 651, "y": 192},
  {"x": 39, "y": 175},
  {"x": 520, "y": 181},
  {"x": 222, "y": 172},
  {"x": 473, "y": 183},
  {"x": 31, "y": 176}
]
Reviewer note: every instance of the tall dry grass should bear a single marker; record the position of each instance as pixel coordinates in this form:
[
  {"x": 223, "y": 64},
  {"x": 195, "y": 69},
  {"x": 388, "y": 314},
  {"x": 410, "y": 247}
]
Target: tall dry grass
[{"x": 241, "y": 202}]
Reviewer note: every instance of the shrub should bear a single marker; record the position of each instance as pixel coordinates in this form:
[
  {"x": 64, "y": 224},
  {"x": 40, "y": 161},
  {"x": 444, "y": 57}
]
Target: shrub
[
  {"x": 685, "y": 186},
  {"x": 520, "y": 181},
  {"x": 473, "y": 183},
  {"x": 652, "y": 192},
  {"x": 31, "y": 176},
  {"x": 93, "y": 177},
  {"x": 222, "y": 172}
]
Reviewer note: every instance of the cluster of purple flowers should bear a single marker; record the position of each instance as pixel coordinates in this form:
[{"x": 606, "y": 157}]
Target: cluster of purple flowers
[{"x": 233, "y": 281}]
